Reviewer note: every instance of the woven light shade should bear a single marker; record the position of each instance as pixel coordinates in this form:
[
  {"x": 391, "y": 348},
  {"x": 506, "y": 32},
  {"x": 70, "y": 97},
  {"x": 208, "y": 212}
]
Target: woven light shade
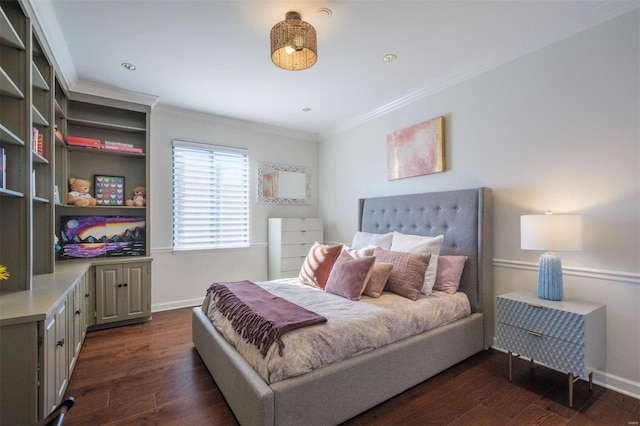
[{"x": 294, "y": 45}]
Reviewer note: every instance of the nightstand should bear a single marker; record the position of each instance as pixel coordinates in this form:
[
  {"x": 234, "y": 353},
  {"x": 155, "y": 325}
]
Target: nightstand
[{"x": 567, "y": 335}]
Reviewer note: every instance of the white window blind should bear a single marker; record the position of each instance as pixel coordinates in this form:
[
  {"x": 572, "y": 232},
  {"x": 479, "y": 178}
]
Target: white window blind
[{"x": 210, "y": 196}]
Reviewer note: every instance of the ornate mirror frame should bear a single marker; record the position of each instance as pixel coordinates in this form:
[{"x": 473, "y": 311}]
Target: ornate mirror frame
[{"x": 271, "y": 177}]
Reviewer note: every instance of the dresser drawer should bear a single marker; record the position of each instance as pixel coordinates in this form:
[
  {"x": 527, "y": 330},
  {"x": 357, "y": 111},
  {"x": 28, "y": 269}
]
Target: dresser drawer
[
  {"x": 295, "y": 250},
  {"x": 298, "y": 237},
  {"x": 301, "y": 224},
  {"x": 533, "y": 317},
  {"x": 291, "y": 263},
  {"x": 558, "y": 353}
]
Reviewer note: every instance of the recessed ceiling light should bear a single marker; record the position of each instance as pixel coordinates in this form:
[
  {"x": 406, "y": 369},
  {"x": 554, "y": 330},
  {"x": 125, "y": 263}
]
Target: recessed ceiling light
[
  {"x": 306, "y": 109},
  {"x": 389, "y": 57},
  {"x": 128, "y": 66}
]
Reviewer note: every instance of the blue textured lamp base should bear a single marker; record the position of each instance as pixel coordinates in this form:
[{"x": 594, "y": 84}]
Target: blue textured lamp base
[{"x": 550, "y": 277}]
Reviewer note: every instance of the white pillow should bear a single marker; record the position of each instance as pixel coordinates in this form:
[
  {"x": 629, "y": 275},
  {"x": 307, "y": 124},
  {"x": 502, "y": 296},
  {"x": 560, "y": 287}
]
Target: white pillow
[
  {"x": 421, "y": 245},
  {"x": 366, "y": 239}
]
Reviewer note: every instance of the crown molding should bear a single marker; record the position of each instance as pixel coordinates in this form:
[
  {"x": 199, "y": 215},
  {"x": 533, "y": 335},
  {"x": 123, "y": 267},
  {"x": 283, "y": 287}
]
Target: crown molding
[
  {"x": 106, "y": 91},
  {"x": 233, "y": 122},
  {"x": 545, "y": 37}
]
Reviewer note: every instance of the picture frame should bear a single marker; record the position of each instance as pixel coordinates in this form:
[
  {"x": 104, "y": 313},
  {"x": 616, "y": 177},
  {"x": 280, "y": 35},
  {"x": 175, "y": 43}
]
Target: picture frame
[
  {"x": 109, "y": 190},
  {"x": 416, "y": 150}
]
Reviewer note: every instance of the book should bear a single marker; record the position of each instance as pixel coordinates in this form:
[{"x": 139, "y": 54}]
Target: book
[
  {"x": 3, "y": 168},
  {"x": 122, "y": 148},
  {"x": 56, "y": 194},
  {"x": 78, "y": 141},
  {"x": 40, "y": 144},
  {"x": 112, "y": 143}
]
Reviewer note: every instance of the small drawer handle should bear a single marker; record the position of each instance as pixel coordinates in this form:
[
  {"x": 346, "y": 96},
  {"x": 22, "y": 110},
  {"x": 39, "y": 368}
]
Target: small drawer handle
[
  {"x": 60, "y": 342},
  {"x": 535, "y": 333},
  {"x": 535, "y": 305}
]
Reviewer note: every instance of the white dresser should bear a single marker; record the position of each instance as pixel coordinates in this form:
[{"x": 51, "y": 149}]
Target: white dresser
[
  {"x": 289, "y": 242},
  {"x": 567, "y": 335}
]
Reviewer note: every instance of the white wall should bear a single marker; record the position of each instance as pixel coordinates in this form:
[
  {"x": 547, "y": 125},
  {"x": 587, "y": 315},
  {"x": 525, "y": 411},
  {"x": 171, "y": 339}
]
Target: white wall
[
  {"x": 181, "y": 279},
  {"x": 556, "y": 129}
]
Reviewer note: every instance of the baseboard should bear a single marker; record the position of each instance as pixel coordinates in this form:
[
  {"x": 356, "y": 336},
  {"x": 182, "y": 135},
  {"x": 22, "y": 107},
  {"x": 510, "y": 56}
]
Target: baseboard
[
  {"x": 608, "y": 381},
  {"x": 159, "y": 307}
]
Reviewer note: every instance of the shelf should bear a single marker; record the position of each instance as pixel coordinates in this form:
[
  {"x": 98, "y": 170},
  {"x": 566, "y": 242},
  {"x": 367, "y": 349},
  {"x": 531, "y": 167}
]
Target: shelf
[
  {"x": 8, "y": 35},
  {"x": 7, "y": 136},
  {"x": 40, "y": 200},
  {"x": 10, "y": 193},
  {"x": 8, "y": 87},
  {"x": 103, "y": 125},
  {"x": 37, "y": 158},
  {"x": 77, "y": 148},
  {"x": 38, "y": 79},
  {"x": 70, "y": 206},
  {"x": 59, "y": 112},
  {"x": 38, "y": 118}
]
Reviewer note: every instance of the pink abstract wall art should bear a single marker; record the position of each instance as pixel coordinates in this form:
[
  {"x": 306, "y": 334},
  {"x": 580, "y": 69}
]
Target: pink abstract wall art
[{"x": 417, "y": 150}]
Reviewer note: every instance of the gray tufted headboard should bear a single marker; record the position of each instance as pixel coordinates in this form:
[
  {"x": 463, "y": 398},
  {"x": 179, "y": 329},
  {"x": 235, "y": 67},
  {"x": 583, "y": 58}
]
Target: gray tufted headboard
[{"x": 464, "y": 217}]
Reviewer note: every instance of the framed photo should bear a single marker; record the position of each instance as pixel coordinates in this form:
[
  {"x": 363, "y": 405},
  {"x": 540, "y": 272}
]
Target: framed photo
[
  {"x": 109, "y": 190},
  {"x": 56, "y": 194}
]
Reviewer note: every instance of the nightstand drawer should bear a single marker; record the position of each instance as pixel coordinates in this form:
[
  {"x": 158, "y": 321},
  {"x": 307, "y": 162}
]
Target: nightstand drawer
[
  {"x": 558, "y": 353},
  {"x": 563, "y": 325}
]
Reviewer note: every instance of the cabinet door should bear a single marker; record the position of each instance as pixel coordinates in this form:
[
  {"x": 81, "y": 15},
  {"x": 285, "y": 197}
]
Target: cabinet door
[
  {"x": 107, "y": 281},
  {"x": 136, "y": 290},
  {"x": 56, "y": 371},
  {"x": 123, "y": 291}
]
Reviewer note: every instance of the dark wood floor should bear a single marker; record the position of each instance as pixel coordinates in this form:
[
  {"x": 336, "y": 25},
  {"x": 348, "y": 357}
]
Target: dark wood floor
[{"x": 150, "y": 373}]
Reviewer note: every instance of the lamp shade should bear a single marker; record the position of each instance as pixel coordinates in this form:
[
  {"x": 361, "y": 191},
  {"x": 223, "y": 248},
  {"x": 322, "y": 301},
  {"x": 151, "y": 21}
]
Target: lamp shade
[
  {"x": 294, "y": 44},
  {"x": 551, "y": 232}
]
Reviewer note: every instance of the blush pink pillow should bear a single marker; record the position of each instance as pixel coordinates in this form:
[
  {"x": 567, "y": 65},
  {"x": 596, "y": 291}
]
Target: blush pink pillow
[
  {"x": 318, "y": 264},
  {"x": 449, "y": 273},
  {"x": 407, "y": 275},
  {"x": 349, "y": 276}
]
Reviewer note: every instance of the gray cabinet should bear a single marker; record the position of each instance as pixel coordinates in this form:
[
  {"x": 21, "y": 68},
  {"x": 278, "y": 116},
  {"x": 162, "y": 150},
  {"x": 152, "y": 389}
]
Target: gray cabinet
[
  {"x": 123, "y": 292},
  {"x": 289, "y": 242},
  {"x": 41, "y": 337}
]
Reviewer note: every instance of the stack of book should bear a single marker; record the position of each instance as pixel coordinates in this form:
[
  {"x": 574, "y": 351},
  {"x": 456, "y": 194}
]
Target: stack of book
[
  {"x": 37, "y": 140},
  {"x": 88, "y": 142},
  {"x": 121, "y": 146}
]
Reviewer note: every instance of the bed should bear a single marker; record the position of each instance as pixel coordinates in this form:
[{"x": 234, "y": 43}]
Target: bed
[{"x": 341, "y": 390}]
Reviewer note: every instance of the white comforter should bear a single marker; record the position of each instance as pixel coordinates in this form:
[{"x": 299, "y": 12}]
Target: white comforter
[{"x": 352, "y": 327}]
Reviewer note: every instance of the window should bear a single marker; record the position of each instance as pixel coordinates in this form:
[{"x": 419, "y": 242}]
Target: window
[{"x": 210, "y": 196}]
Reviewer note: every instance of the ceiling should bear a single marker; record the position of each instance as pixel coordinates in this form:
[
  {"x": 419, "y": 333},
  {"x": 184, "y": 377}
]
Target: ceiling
[{"x": 213, "y": 56}]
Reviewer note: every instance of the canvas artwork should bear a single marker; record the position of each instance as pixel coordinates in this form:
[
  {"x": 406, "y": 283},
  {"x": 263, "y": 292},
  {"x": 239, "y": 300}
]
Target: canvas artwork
[
  {"x": 417, "y": 150},
  {"x": 109, "y": 190},
  {"x": 101, "y": 236}
]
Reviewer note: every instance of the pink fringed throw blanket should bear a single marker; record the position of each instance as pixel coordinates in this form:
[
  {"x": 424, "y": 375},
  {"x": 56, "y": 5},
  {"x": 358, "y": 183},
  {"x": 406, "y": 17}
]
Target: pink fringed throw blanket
[{"x": 258, "y": 316}]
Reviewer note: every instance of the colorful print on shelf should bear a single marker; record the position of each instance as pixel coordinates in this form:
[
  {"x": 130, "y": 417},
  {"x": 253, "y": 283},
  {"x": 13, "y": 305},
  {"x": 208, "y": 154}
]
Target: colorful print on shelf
[
  {"x": 102, "y": 236},
  {"x": 109, "y": 190}
]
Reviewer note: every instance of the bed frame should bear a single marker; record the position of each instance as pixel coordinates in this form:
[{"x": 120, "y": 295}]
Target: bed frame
[{"x": 336, "y": 392}]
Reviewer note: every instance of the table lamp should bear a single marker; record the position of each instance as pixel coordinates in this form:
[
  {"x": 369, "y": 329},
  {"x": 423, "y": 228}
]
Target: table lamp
[{"x": 550, "y": 232}]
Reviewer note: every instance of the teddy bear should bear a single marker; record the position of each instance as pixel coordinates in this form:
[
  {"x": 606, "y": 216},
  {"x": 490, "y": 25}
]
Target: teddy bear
[
  {"x": 139, "y": 197},
  {"x": 79, "y": 194}
]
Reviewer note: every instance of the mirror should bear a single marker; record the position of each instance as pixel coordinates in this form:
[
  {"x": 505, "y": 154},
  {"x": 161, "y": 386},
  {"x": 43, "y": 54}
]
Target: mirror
[{"x": 283, "y": 184}]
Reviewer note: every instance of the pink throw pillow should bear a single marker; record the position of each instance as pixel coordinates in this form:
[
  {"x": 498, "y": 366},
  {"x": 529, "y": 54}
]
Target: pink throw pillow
[
  {"x": 378, "y": 279},
  {"x": 349, "y": 276},
  {"x": 449, "y": 273},
  {"x": 317, "y": 265},
  {"x": 407, "y": 276}
]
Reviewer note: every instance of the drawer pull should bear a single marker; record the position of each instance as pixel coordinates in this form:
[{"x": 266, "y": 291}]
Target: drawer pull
[
  {"x": 535, "y": 333},
  {"x": 535, "y": 305}
]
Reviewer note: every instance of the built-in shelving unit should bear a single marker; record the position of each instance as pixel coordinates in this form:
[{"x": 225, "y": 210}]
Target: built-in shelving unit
[{"x": 47, "y": 304}]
